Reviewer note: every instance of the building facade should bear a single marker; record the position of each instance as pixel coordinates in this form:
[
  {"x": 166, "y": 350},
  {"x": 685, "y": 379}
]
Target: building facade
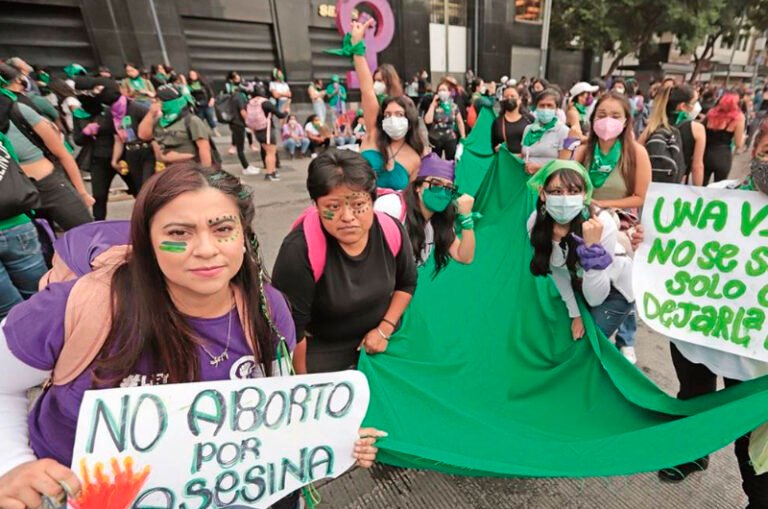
[{"x": 492, "y": 37}]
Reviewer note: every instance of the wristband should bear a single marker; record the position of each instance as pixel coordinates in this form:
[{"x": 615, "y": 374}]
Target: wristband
[
  {"x": 348, "y": 49},
  {"x": 378, "y": 329},
  {"x": 466, "y": 221},
  {"x": 389, "y": 322}
]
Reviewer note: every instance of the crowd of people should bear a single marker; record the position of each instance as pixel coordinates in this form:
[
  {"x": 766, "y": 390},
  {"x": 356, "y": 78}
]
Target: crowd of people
[{"x": 190, "y": 297}]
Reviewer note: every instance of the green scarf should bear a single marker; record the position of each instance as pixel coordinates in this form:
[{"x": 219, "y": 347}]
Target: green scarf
[
  {"x": 582, "y": 111},
  {"x": 4, "y": 91},
  {"x": 681, "y": 117},
  {"x": 137, "y": 83},
  {"x": 81, "y": 114},
  {"x": 172, "y": 109},
  {"x": 195, "y": 85},
  {"x": 603, "y": 164},
  {"x": 44, "y": 77},
  {"x": 447, "y": 107},
  {"x": 161, "y": 78},
  {"x": 8, "y": 146},
  {"x": 537, "y": 131}
]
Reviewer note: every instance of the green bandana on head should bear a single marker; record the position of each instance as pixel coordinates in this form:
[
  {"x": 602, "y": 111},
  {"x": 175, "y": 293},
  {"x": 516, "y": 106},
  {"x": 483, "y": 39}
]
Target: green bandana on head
[
  {"x": 539, "y": 180},
  {"x": 172, "y": 109},
  {"x": 44, "y": 77},
  {"x": 73, "y": 70},
  {"x": 537, "y": 131},
  {"x": 602, "y": 165}
]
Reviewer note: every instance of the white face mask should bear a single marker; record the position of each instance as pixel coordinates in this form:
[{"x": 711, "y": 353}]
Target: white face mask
[
  {"x": 563, "y": 209},
  {"x": 444, "y": 95},
  {"x": 482, "y": 89},
  {"x": 395, "y": 127},
  {"x": 379, "y": 88},
  {"x": 696, "y": 110}
]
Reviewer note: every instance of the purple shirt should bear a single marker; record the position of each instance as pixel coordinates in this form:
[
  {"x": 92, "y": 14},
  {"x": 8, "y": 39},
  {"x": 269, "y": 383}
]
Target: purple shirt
[{"x": 34, "y": 331}]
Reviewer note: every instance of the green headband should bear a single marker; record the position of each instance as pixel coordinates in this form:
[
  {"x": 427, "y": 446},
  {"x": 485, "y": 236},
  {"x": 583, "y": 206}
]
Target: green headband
[
  {"x": 537, "y": 182},
  {"x": 73, "y": 70}
]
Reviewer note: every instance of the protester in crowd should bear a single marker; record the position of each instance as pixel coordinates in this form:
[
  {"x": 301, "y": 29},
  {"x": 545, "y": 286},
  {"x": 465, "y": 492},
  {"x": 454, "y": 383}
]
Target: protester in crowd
[
  {"x": 318, "y": 133},
  {"x": 104, "y": 72},
  {"x": 357, "y": 298},
  {"x": 679, "y": 106},
  {"x": 577, "y": 116},
  {"x": 537, "y": 86},
  {"x": 698, "y": 366},
  {"x": 432, "y": 209},
  {"x": 159, "y": 76},
  {"x": 412, "y": 88},
  {"x": 294, "y": 137},
  {"x": 444, "y": 123},
  {"x": 21, "y": 261},
  {"x": 260, "y": 113},
  {"x": 724, "y": 127},
  {"x": 235, "y": 87},
  {"x": 68, "y": 103},
  {"x": 544, "y": 139},
  {"x": 392, "y": 145},
  {"x": 386, "y": 82},
  {"x": 342, "y": 131},
  {"x": 642, "y": 111},
  {"x": 359, "y": 129},
  {"x": 508, "y": 128},
  {"x": 94, "y": 132},
  {"x": 570, "y": 236},
  {"x": 459, "y": 96},
  {"x": 317, "y": 93},
  {"x": 337, "y": 98},
  {"x": 26, "y": 70},
  {"x": 180, "y": 135},
  {"x": 202, "y": 91},
  {"x": 137, "y": 87},
  {"x": 43, "y": 157},
  {"x": 172, "y": 314},
  {"x": 280, "y": 91}
]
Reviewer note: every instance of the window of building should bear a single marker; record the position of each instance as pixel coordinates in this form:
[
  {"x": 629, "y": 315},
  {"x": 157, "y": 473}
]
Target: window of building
[
  {"x": 529, "y": 10},
  {"x": 457, "y": 12}
]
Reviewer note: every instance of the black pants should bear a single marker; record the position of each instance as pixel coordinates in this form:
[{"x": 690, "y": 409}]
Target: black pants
[
  {"x": 238, "y": 140},
  {"x": 697, "y": 380},
  {"x": 313, "y": 145},
  {"x": 247, "y": 134},
  {"x": 102, "y": 174},
  {"x": 717, "y": 162},
  {"x": 61, "y": 205},
  {"x": 141, "y": 165},
  {"x": 444, "y": 144}
]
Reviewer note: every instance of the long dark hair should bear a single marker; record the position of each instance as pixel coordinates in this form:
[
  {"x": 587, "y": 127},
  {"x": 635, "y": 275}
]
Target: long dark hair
[
  {"x": 144, "y": 318},
  {"x": 412, "y": 137},
  {"x": 627, "y": 162},
  {"x": 442, "y": 224},
  {"x": 544, "y": 227}
]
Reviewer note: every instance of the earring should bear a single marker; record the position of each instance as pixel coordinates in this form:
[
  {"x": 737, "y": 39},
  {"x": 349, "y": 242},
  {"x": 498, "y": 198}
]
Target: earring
[{"x": 245, "y": 249}]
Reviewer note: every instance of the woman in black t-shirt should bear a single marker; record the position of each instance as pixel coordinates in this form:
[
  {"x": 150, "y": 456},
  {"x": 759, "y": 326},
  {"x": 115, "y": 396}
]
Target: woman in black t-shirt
[
  {"x": 356, "y": 297},
  {"x": 509, "y": 126}
]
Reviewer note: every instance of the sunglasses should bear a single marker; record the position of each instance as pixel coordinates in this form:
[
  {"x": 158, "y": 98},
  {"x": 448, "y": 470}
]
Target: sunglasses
[{"x": 435, "y": 184}]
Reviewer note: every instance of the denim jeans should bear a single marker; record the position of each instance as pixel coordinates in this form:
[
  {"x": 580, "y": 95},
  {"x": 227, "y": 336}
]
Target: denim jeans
[
  {"x": 291, "y": 145},
  {"x": 208, "y": 114},
  {"x": 21, "y": 265},
  {"x": 319, "y": 108},
  {"x": 612, "y": 312},
  {"x": 627, "y": 330},
  {"x": 344, "y": 140}
]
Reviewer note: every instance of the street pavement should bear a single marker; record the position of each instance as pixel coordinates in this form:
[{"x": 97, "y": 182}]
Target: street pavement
[{"x": 278, "y": 204}]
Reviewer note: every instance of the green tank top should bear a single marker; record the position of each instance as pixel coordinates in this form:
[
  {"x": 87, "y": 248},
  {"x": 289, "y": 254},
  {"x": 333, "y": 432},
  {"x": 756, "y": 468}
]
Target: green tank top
[{"x": 396, "y": 179}]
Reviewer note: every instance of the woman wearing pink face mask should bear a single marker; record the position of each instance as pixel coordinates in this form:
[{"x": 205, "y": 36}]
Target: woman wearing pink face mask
[{"x": 618, "y": 165}]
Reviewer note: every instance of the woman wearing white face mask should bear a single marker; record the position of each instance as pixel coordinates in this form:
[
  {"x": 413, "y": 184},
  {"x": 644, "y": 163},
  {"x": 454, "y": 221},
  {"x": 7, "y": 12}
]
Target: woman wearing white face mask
[
  {"x": 392, "y": 144},
  {"x": 544, "y": 140},
  {"x": 386, "y": 82},
  {"x": 572, "y": 238},
  {"x": 443, "y": 121}
]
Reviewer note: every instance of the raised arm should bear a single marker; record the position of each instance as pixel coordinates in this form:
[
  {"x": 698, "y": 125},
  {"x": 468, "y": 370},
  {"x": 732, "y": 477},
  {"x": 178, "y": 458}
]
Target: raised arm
[{"x": 368, "y": 98}]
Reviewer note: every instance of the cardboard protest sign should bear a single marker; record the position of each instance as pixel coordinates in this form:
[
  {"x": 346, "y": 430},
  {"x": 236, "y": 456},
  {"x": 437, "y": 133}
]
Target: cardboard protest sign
[
  {"x": 238, "y": 443},
  {"x": 700, "y": 275}
]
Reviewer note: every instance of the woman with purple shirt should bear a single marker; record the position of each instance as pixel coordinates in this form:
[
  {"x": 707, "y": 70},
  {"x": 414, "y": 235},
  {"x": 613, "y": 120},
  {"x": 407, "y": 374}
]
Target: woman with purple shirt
[{"x": 184, "y": 303}]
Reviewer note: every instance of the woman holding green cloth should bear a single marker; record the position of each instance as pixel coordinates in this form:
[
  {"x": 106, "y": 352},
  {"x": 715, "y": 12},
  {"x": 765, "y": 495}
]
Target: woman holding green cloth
[
  {"x": 619, "y": 167},
  {"x": 179, "y": 134},
  {"x": 136, "y": 87},
  {"x": 572, "y": 238},
  {"x": 544, "y": 140}
]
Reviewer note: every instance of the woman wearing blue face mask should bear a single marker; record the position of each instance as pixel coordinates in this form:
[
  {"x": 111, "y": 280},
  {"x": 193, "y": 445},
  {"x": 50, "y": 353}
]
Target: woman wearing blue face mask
[
  {"x": 544, "y": 140},
  {"x": 574, "y": 240}
]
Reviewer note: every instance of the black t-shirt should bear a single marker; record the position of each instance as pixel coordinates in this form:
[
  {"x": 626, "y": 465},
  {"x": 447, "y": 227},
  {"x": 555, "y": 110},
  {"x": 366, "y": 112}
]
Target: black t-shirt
[
  {"x": 239, "y": 103},
  {"x": 514, "y": 133},
  {"x": 350, "y": 298}
]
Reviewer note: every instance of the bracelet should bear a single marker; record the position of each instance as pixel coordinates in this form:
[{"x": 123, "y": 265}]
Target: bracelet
[
  {"x": 389, "y": 322},
  {"x": 378, "y": 329},
  {"x": 467, "y": 221},
  {"x": 348, "y": 49}
]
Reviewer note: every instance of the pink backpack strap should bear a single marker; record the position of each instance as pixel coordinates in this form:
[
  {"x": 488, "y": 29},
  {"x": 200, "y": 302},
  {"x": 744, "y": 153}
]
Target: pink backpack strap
[
  {"x": 392, "y": 233},
  {"x": 316, "y": 244},
  {"x": 403, "y": 207}
]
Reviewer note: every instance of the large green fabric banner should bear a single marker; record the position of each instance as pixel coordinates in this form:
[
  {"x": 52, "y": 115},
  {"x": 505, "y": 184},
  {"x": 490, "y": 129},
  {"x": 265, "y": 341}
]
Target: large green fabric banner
[
  {"x": 476, "y": 154},
  {"x": 484, "y": 379}
]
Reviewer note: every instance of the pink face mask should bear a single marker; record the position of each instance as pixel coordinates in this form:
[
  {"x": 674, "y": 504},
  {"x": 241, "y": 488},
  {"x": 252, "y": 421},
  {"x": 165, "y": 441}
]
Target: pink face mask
[{"x": 608, "y": 128}]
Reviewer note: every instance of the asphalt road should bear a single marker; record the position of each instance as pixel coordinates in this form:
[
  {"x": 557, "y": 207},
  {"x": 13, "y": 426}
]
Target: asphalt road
[{"x": 278, "y": 204}]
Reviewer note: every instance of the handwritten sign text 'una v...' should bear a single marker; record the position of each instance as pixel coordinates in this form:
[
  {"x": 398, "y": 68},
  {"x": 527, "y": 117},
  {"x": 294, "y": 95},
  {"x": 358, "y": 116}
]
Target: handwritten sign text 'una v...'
[
  {"x": 701, "y": 274},
  {"x": 240, "y": 443}
]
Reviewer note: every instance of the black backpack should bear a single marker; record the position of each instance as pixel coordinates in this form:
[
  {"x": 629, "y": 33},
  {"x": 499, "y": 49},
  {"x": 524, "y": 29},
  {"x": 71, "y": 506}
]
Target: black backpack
[
  {"x": 18, "y": 195},
  {"x": 225, "y": 108},
  {"x": 665, "y": 150}
]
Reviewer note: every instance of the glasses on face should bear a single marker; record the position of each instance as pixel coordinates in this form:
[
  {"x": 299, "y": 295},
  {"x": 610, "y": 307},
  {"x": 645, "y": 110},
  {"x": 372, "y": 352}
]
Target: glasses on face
[{"x": 447, "y": 186}]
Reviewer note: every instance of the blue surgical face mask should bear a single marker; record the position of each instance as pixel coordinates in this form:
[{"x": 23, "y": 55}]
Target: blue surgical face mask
[
  {"x": 563, "y": 209},
  {"x": 544, "y": 115}
]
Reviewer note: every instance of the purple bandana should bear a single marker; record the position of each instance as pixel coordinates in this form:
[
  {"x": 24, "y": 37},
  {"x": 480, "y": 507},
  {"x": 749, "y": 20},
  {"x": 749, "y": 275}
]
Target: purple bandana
[{"x": 433, "y": 166}]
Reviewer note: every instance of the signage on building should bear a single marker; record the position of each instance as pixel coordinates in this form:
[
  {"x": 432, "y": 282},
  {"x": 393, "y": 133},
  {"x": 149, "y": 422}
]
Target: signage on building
[
  {"x": 327, "y": 11},
  {"x": 377, "y": 39}
]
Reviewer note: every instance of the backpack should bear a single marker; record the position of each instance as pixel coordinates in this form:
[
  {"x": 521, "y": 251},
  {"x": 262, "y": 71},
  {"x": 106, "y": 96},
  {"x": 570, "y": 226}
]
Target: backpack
[
  {"x": 391, "y": 202},
  {"x": 18, "y": 195},
  {"x": 471, "y": 116},
  {"x": 666, "y": 153},
  {"x": 225, "y": 106},
  {"x": 255, "y": 118},
  {"x": 316, "y": 242}
]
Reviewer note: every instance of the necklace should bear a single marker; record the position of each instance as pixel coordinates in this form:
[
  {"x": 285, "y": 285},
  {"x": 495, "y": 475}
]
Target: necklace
[
  {"x": 223, "y": 356},
  {"x": 393, "y": 155}
]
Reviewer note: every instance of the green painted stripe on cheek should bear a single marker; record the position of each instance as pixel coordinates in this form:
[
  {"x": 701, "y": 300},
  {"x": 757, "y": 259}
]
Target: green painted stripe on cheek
[{"x": 173, "y": 247}]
